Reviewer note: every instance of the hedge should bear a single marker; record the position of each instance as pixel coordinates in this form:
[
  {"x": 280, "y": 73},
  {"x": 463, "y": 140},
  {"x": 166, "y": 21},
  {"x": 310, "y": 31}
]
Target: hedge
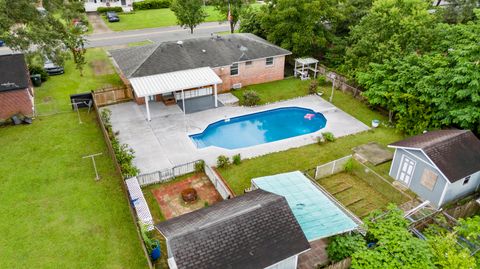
[
  {"x": 151, "y": 4},
  {"x": 107, "y": 9}
]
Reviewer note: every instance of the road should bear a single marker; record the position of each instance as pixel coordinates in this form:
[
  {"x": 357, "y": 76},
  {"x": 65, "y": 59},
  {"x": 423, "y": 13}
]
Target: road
[{"x": 162, "y": 34}]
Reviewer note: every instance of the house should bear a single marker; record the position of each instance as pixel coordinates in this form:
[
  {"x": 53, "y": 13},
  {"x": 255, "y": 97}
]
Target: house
[
  {"x": 439, "y": 166},
  {"x": 172, "y": 72},
  {"x": 255, "y": 230},
  {"x": 92, "y": 5},
  {"x": 16, "y": 90}
]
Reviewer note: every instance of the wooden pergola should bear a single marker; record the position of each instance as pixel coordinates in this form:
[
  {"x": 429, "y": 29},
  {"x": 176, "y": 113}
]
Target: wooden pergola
[{"x": 303, "y": 66}]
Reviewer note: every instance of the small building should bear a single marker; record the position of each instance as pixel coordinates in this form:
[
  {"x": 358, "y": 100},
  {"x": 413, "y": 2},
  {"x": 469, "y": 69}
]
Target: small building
[
  {"x": 439, "y": 166},
  {"x": 16, "y": 89},
  {"x": 255, "y": 230},
  {"x": 92, "y": 5},
  {"x": 172, "y": 72}
]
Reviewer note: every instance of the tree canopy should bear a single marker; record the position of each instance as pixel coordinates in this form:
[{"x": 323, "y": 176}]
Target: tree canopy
[
  {"x": 189, "y": 13},
  {"x": 234, "y": 8}
]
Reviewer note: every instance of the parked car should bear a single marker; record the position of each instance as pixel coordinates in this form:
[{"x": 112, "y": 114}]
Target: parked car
[
  {"x": 112, "y": 16},
  {"x": 2, "y": 43},
  {"x": 53, "y": 69}
]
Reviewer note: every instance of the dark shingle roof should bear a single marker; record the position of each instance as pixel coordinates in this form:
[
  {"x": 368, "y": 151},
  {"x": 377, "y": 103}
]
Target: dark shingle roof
[
  {"x": 193, "y": 53},
  {"x": 13, "y": 72},
  {"x": 255, "y": 230},
  {"x": 455, "y": 152}
]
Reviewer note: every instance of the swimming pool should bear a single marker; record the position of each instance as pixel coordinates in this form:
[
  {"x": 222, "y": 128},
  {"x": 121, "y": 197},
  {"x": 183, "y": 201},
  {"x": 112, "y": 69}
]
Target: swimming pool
[{"x": 259, "y": 128}]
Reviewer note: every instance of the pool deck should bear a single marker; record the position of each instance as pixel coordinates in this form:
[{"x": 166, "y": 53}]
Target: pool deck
[{"x": 163, "y": 142}]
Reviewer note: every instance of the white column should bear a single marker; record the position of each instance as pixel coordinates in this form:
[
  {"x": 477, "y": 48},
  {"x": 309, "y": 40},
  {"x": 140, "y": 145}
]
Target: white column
[
  {"x": 148, "y": 109},
  {"x": 216, "y": 97},
  {"x": 183, "y": 101},
  {"x": 184, "y": 113}
]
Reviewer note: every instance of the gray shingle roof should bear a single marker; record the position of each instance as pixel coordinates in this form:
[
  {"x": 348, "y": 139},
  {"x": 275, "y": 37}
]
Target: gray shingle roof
[
  {"x": 13, "y": 72},
  {"x": 193, "y": 53},
  {"x": 255, "y": 230},
  {"x": 455, "y": 152}
]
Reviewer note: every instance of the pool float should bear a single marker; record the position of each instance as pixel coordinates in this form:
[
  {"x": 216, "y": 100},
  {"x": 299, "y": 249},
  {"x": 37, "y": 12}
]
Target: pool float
[{"x": 309, "y": 116}]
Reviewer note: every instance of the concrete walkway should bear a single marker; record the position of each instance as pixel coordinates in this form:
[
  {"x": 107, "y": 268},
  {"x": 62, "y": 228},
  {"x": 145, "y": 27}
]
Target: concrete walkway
[{"x": 164, "y": 141}]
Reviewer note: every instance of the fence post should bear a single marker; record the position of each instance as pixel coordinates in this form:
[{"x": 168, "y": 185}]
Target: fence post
[{"x": 333, "y": 166}]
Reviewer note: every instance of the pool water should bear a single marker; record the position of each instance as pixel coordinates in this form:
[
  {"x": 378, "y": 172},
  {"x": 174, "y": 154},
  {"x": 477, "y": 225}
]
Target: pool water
[{"x": 259, "y": 128}]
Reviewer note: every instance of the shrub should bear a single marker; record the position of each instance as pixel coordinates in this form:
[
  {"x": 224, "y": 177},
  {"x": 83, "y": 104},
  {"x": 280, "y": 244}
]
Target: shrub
[
  {"x": 151, "y": 4},
  {"x": 200, "y": 166},
  {"x": 35, "y": 69},
  {"x": 328, "y": 136},
  {"x": 236, "y": 159},
  {"x": 223, "y": 161},
  {"x": 251, "y": 98},
  {"x": 189, "y": 195},
  {"x": 322, "y": 80},
  {"x": 313, "y": 87},
  {"x": 206, "y": 204},
  {"x": 103, "y": 10},
  {"x": 343, "y": 246},
  {"x": 150, "y": 243},
  {"x": 348, "y": 165}
]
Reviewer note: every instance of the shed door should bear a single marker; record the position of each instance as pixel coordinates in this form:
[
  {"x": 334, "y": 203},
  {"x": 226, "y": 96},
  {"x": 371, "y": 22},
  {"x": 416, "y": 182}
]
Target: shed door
[{"x": 405, "y": 172}]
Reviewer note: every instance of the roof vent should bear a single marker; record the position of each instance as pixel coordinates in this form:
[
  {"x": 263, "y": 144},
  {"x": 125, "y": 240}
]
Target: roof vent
[
  {"x": 180, "y": 43},
  {"x": 204, "y": 51}
]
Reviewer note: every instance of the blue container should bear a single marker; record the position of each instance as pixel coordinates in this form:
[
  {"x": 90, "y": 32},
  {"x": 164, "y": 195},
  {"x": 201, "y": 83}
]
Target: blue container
[
  {"x": 156, "y": 253},
  {"x": 2, "y": 43}
]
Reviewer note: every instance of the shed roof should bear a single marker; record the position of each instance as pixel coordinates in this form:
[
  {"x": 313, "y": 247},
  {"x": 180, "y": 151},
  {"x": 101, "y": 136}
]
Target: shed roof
[
  {"x": 193, "y": 53},
  {"x": 254, "y": 230},
  {"x": 13, "y": 72},
  {"x": 174, "y": 81},
  {"x": 455, "y": 152},
  {"x": 307, "y": 60}
]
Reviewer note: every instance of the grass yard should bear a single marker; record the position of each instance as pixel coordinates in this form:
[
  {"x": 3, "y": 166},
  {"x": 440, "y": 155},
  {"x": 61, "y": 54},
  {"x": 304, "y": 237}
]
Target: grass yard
[
  {"x": 307, "y": 157},
  {"x": 54, "y": 214}
]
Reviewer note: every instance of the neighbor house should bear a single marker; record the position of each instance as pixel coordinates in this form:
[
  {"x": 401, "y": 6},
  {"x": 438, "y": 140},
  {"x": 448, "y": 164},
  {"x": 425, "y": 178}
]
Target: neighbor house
[
  {"x": 92, "y": 5},
  {"x": 16, "y": 90},
  {"x": 439, "y": 166},
  {"x": 255, "y": 230},
  {"x": 171, "y": 72}
]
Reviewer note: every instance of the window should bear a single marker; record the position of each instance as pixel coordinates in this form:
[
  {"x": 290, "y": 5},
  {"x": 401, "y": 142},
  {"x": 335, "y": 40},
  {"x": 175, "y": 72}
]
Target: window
[
  {"x": 466, "y": 180},
  {"x": 234, "y": 69},
  {"x": 248, "y": 63},
  {"x": 429, "y": 178},
  {"x": 269, "y": 61}
]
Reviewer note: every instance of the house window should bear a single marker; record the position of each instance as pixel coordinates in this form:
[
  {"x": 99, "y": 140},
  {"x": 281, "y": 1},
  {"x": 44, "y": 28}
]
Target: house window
[
  {"x": 429, "y": 179},
  {"x": 234, "y": 69},
  {"x": 269, "y": 61},
  {"x": 248, "y": 63},
  {"x": 466, "y": 180}
]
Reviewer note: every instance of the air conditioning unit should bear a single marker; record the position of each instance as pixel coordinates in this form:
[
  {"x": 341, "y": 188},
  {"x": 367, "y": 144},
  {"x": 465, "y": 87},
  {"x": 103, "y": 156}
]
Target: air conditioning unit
[{"x": 237, "y": 86}]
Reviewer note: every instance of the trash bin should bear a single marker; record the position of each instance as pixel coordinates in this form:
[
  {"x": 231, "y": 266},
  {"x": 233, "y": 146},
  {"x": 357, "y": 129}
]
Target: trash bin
[{"x": 36, "y": 80}]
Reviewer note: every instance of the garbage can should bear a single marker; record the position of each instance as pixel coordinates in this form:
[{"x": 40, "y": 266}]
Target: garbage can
[{"x": 36, "y": 80}]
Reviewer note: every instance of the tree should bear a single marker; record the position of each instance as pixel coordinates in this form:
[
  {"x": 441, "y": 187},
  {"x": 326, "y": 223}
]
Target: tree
[
  {"x": 459, "y": 11},
  {"x": 189, "y": 13},
  {"x": 232, "y": 10},
  {"x": 395, "y": 246},
  {"x": 24, "y": 28},
  {"x": 252, "y": 22},
  {"x": 390, "y": 29},
  {"x": 343, "y": 246}
]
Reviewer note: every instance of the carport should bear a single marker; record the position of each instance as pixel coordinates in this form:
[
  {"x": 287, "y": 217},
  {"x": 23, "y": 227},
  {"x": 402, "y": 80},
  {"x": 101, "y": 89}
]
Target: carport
[{"x": 185, "y": 84}]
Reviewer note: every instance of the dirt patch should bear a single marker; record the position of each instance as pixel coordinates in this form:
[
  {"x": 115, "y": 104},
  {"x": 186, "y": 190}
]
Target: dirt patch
[
  {"x": 169, "y": 198},
  {"x": 47, "y": 99},
  {"x": 101, "y": 67}
]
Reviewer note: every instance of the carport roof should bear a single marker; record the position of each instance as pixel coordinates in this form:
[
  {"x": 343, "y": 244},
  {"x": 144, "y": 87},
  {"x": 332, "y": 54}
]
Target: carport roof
[{"x": 174, "y": 81}]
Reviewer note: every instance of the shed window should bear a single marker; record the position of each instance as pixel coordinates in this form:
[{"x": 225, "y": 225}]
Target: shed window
[
  {"x": 429, "y": 179},
  {"x": 248, "y": 63},
  {"x": 466, "y": 180},
  {"x": 269, "y": 61},
  {"x": 234, "y": 69}
]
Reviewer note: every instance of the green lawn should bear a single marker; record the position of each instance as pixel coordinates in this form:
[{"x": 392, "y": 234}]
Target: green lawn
[
  {"x": 154, "y": 18},
  {"x": 54, "y": 214},
  {"x": 307, "y": 157}
]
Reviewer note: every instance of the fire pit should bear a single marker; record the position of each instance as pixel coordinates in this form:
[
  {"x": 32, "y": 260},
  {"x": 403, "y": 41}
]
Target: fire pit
[{"x": 189, "y": 195}]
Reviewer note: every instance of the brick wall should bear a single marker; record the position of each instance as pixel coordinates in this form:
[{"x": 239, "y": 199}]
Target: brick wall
[
  {"x": 15, "y": 102},
  {"x": 256, "y": 73}
]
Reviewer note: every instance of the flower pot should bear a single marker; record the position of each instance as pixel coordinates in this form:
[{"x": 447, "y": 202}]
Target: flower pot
[{"x": 375, "y": 123}]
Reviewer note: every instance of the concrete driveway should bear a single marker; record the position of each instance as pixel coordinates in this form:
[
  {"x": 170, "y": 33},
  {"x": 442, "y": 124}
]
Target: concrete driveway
[{"x": 164, "y": 141}]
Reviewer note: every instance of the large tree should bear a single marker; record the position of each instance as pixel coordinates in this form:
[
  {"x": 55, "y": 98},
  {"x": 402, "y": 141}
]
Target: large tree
[
  {"x": 231, "y": 10},
  {"x": 189, "y": 13},
  {"x": 26, "y": 29}
]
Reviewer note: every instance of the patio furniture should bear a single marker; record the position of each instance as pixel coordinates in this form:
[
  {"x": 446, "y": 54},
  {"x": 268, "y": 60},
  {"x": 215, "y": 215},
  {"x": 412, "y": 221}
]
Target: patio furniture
[{"x": 169, "y": 99}]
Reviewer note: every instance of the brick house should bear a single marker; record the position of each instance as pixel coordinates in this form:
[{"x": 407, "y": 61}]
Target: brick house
[
  {"x": 172, "y": 72},
  {"x": 16, "y": 90}
]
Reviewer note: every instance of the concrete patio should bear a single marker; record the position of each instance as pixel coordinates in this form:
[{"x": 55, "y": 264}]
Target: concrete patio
[{"x": 164, "y": 141}]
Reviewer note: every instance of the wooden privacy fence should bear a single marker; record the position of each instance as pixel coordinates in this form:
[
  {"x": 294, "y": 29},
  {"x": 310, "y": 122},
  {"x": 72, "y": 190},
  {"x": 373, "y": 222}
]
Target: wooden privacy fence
[
  {"x": 218, "y": 182},
  {"x": 166, "y": 174},
  {"x": 108, "y": 96}
]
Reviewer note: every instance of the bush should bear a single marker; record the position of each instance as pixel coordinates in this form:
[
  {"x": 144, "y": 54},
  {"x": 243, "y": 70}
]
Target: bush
[
  {"x": 35, "y": 69},
  {"x": 343, "y": 246},
  {"x": 103, "y": 10},
  {"x": 251, "y": 98},
  {"x": 200, "y": 166},
  {"x": 236, "y": 159},
  {"x": 322, "y": 80},
  {"x": 223, "y": 161},
  {"x": 151, "y": 4},
  {"x": 348, "y": 166},
  {"x": 313, "y": 87},
  {"x": 328, "y": 136}
]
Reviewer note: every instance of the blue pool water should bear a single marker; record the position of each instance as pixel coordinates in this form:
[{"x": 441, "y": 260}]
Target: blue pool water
[{"x": 260, "y": 128}]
